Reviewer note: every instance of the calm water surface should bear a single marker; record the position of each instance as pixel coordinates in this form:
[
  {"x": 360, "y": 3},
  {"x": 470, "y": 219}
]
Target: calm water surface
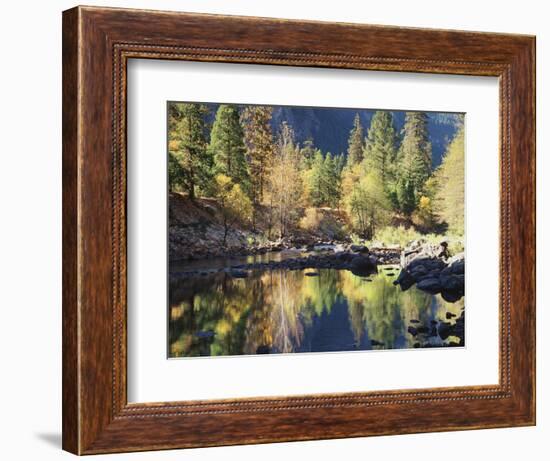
[{"x": 283, "y": 311}]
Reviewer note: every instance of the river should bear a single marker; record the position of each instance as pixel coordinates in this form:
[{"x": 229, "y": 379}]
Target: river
[{"x": 284, "y": 311}]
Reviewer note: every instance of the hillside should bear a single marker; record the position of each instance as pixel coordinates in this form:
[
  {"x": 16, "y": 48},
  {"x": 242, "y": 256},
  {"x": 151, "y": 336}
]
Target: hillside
[
  {"x": 196, "y": 230},
  {"x": 330, "y": 127}
]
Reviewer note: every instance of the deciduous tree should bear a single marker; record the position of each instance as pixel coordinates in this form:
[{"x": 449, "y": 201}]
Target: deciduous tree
[
  {"x": 368, "y": 205},
  {"x": 285, "y": 184},
  {"x": 450, "y": 177},
  {"x": 234, "y": 203}
]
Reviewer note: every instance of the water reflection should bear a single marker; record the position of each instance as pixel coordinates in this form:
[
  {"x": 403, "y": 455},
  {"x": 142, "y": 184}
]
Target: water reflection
[{"x": 283, "y": 311}]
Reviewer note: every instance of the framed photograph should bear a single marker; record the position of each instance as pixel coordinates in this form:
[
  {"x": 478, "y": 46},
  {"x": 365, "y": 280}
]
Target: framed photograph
[{"x": 284, "y": 230}]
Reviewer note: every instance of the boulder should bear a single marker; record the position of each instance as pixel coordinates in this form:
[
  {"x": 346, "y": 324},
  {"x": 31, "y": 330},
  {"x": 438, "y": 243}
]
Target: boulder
[
  {"x": 405, "y": 280},
  {"x": 431, "y": 285},
  {"x": 451, "y": 296},
  {"x": 363, "y": 265},
  {"x": 418, "y": 271},
  {"x": 359, "y": 249},
  {"x": 343, "y": 257},
  {"x": 418, "y": 250},
  {"x": 445, "y": 330},
  {"x": 432, "y": 269},
  {"x": 452, "y": 282},
  {"x": 457, "y": 267}
]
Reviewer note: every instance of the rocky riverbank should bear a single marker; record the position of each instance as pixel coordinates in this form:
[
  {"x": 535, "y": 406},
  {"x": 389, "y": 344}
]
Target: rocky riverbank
[
  {"x": 429, "y": 266},
  {"x": 356, "y": 258},
  {"x": 433, "y": 270}
]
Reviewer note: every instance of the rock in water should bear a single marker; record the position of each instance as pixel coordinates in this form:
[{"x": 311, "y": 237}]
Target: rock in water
[
  {"x": 405, "y": 280},
  {"x": 431, "y": 268},
  {"x": 363, "y": 265},
  {"x": 205, "y": 334},
  {"x": 445, "y": 330},
  {"x": 451, "y": 296},
  {"x": 431, "y": 285},
  {"x": 359, "y": 248},
  {"x": 452, "y": 282},
  {"x": 418, "y": 271}
]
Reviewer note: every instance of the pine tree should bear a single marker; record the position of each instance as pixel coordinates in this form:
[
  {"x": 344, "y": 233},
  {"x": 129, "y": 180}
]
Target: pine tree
[
  {"x": 414, "y": 161},
  {"x": 189, "y": 165},
  {"x": 227, "y": 146},
  {"x": 355, "y": 142},
  {"x": 404, "y": 196},
  {"x": 258, "y": 139},
  {"x": 380, "y": 148},
  {"x": 330, "y": 181},
  {"x": 340, "y": 162},
  {"x": 316, "y": 179},
  {"x": 307, "y": 153},
  {"x": 323, "y": 181}
]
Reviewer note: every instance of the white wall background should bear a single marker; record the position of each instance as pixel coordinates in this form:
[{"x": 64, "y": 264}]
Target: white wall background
[{"x": 30, "y": 230}]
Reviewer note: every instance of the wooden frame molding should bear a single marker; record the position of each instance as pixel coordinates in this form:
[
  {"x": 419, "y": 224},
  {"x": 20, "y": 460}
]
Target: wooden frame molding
[{"x": 97, "y": 44}]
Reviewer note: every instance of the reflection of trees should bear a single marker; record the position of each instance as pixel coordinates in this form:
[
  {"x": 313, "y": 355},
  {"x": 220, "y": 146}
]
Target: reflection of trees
[
  {"x": 320, "y": 292},
  {"x": 274, "y": 322},
  {"x": 374, "y": 307},
  {"x": 286, "y": 303},
  {"x": 213, "y": 316},
  {"x": 258, "y": 325},
  {"x": 271, "y": 311},
  {"x": 384, "y": 312}
]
